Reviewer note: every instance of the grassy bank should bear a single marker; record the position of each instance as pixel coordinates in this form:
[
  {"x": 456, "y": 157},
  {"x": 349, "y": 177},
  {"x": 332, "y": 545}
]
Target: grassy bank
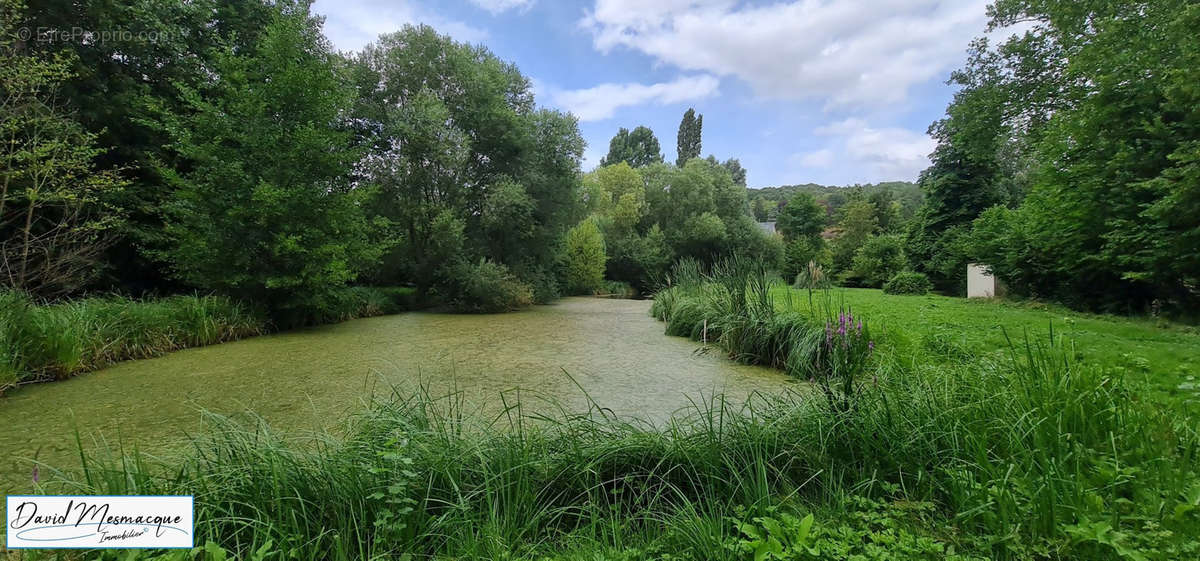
[
  {"x": 940, "y": 329},
  {"x": 1032, "y": 457},
  {"x": 52, "y": 342}
]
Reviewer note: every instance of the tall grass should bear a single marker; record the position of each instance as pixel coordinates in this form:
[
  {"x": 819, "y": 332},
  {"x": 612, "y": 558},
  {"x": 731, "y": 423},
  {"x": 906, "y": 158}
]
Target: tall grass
[
  {"x": 1027, "y": 458},
  {"x": 61, "y": 340},
  {"x": 52, "y": 342}
]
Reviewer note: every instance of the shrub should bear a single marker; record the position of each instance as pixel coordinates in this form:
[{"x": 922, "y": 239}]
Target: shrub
[
  {"x": 483, "y": 287},
  {"x": 585, "y": 258},
  {"x": 618, "y": 289},
  {"x": 877, "y": 260},
  {"x": 812, "y": 277},
  {"x": 908, "y": 282}
]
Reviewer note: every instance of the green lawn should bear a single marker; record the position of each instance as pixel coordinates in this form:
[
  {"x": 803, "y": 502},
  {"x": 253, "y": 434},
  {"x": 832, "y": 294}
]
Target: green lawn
[{"x": 949, "y": 329}]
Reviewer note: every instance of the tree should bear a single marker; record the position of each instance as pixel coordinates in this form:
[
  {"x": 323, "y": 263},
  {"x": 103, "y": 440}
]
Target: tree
[
  {"x": 264, "y": 211},
  {"x": 688, "y": 140},
  {"x": 621, "y": 195},
  {"x": 117, "y": 90},
  {"x": 1088, "y": 122},
  {"x": 857, "y": 225},
  {"x": 585, "y": 255},
  {"x": 736, "y": 171},
  {"x": 802, "y": 217},
  {"x": 760, "y": 210},
  {"x": 451, "y": 128},
  {"x": 55, "y": 216},
  {"x": 639, "y": 148}
]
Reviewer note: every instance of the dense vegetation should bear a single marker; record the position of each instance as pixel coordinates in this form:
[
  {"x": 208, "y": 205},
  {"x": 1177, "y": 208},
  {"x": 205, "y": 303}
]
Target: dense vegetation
[
  {"x": 261, "y": 165},
  {"x": 1069, "y": 159}
]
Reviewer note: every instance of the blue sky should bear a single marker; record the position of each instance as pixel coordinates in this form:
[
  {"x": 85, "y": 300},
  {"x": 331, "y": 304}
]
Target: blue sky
[{"x": 832, "y": 92}]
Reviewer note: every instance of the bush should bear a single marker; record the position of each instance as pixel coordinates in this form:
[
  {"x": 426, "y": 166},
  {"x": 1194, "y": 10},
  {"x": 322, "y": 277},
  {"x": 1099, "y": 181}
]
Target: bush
[
  {"x": 618, "y": 289},
  {"x": 483, "y": 287},
  {"x": 367, "y": 301},
  {"x": 585, "y": 258},
  {"x": 908, "y": 282},
  {"x": 877, "y": 260}
]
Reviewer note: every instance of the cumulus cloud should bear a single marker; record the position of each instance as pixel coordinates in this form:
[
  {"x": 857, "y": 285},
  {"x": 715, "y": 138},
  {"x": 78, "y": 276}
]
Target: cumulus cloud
[
  {"x": 866, "y": 153},
  {"x": 849, "y": 54},
  {"x": 601, "y": 102},
  {"x": 500, "y": 6},
  {"x": 352, "y": 24}
]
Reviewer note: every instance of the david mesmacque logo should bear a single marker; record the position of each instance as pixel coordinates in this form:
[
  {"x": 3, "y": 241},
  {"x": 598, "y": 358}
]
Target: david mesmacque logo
[{"x": 48, "y": 522}]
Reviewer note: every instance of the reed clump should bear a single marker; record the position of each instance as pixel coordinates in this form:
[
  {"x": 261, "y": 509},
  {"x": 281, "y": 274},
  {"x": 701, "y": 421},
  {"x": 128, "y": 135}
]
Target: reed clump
[{"x": 56, "y": 341}]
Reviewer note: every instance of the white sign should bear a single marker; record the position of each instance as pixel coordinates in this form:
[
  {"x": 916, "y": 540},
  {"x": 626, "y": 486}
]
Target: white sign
[{"x": 66, "y": 521}]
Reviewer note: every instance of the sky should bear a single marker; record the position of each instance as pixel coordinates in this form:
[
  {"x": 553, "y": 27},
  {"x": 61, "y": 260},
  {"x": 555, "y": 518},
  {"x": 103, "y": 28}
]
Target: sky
[{"x": 809, "y": 91}]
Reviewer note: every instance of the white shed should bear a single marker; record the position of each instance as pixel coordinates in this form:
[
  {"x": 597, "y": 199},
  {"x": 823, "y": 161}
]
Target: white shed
[{"x": 980, "y": 282}]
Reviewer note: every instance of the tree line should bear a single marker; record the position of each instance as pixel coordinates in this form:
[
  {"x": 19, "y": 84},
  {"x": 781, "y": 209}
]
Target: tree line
[
  {"x": 1069, "y": 159},
  {"x": 239, "y": 153},
  {"x": 643, "y": 214},
  {"x": 1068, "y": 162}
]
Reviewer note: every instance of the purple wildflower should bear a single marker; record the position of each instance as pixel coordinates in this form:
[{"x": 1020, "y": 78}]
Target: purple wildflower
[
  {"x": 871, "y": 345},
  {"x": 35, "y": 474}
]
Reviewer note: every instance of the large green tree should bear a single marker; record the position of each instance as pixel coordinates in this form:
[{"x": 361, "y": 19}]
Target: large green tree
[
  {"x": 453, "y": 129},
  {"x": 638, "y": 148},
  {"x": 263, "y": 210}
]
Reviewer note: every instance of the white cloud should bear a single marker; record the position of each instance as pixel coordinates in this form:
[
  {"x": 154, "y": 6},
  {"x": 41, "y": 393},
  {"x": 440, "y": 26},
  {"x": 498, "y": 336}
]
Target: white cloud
[
  {"x": 865, "y": 153},
  {"x": 500, "y": 6},
  {"x": 351, "y": 25},
  {"x": 848, "y": 54},
  {"x": 601, "y": 102},
  {"x": 822, "y": 158}
]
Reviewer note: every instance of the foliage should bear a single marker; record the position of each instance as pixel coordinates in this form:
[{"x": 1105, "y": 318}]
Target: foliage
[
  {"x": 655, "y": 215},
  {"x": 1092, "y": 113},
  {"x": 458, "y": 153},
  {"x": 638, "y": 148},
  {"x": 906, "y": 196},
  {"x": 801, "y": 218},
  {"x": 483, "y": 287},
  {"x": 866, "y": 529},
  {"x": 802, "y": 251},
  {"x": 812, "y": 277},
  {"x": 56, "y": 216},
  {"x": 879, "y": 258},
  {"x": 736, "y": 171},
  {"x": 688, "y": 140},
  {"x": 585, "y": 258},
  {"x": 908, "y": 282},
  {"x": 263, "y": 211},
  {"x": 116, "y": 90},
  {"x": 856, "y": 227}
]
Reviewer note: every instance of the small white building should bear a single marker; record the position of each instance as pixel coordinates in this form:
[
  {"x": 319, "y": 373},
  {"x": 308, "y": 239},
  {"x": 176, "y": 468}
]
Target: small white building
[{"x": 980, "y": 282}]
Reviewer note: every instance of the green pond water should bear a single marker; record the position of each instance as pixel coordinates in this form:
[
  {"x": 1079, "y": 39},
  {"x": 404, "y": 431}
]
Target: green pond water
[{"x": 311, "y": 379}]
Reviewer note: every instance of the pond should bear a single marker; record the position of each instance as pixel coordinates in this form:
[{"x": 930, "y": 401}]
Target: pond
[{"x": 311, "y": 379}]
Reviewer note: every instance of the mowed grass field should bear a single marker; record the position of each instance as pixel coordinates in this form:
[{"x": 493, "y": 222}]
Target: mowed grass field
[{"x": 936, "y": 329}]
